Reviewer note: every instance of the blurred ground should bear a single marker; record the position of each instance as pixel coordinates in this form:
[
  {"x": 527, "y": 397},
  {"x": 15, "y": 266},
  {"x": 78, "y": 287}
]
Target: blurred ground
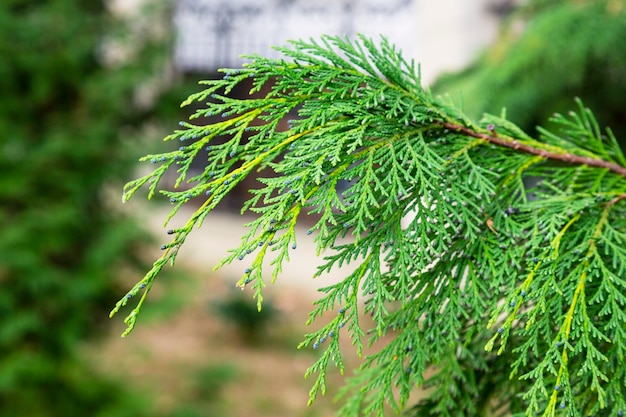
[{"x": 189, "y": 361}]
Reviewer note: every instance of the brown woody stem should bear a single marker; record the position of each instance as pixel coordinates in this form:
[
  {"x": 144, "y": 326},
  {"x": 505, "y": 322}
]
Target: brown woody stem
[
  {"x": 522, "y": 147},
  {"x": 616, "y": 200}
]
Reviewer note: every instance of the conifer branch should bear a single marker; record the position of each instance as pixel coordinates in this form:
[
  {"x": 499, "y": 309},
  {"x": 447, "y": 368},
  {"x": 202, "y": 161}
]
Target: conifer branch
[{"x": 463, "y": 237}]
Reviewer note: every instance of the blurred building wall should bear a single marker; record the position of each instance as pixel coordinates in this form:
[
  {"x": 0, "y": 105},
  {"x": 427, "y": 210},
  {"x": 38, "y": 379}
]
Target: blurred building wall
[{"x": 442, "y": 35}]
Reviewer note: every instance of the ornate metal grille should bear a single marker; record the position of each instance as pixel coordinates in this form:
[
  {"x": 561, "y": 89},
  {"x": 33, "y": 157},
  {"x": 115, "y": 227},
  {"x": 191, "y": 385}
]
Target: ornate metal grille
[{"x": 212, "y": 34}]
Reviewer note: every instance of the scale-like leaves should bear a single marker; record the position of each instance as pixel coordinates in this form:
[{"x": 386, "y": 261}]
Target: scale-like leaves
[{"x": 488, "y": 259}]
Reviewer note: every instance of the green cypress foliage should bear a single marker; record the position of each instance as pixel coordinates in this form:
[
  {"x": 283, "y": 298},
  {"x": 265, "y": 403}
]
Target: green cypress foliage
[{"x": 491, "y": 262}]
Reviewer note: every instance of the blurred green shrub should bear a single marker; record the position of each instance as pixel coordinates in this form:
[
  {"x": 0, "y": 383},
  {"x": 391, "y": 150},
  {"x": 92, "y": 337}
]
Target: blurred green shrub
[
  {"x": 61, "y": 113},
  {"x": 241, "y": 311},
  {"x": 204, "y": 398},
  {"x": 547, "y": 53}
]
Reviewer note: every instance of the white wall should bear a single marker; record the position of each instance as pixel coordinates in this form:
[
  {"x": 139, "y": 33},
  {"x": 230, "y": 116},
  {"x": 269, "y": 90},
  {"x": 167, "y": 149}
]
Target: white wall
[
  {"x": 451, "y": 33},
  {"x": 442, "y": 35}
]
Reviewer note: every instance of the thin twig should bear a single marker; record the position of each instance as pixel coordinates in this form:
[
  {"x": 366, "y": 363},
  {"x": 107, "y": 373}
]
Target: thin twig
[
  {"x": 522, "y": 147},
  {"x": 616, "y": 200}
]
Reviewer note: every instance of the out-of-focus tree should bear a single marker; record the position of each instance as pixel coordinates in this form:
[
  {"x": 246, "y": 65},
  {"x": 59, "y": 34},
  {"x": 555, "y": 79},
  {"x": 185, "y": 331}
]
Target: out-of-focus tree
[
  {"x": 68, "y": 84},
  {"x": 548, "y": 52}
]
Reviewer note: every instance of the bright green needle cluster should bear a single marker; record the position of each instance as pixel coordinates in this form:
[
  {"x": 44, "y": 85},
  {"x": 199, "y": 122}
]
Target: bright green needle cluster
[{"x": 492, "y": 263}]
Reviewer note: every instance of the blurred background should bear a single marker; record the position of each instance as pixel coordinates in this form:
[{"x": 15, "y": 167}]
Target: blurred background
[{"x": 87, "y": 87}]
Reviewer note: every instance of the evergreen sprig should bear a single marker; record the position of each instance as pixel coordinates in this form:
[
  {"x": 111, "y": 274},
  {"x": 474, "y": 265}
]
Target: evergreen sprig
[{"x": 491, "y": 262}]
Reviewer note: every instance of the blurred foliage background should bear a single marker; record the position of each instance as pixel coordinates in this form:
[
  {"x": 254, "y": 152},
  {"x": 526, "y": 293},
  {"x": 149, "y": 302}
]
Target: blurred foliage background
[
  {"x": 79, "y": 88},
  {"x": 71, "y": 99},
  {"x": 548, "y": 52}
]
